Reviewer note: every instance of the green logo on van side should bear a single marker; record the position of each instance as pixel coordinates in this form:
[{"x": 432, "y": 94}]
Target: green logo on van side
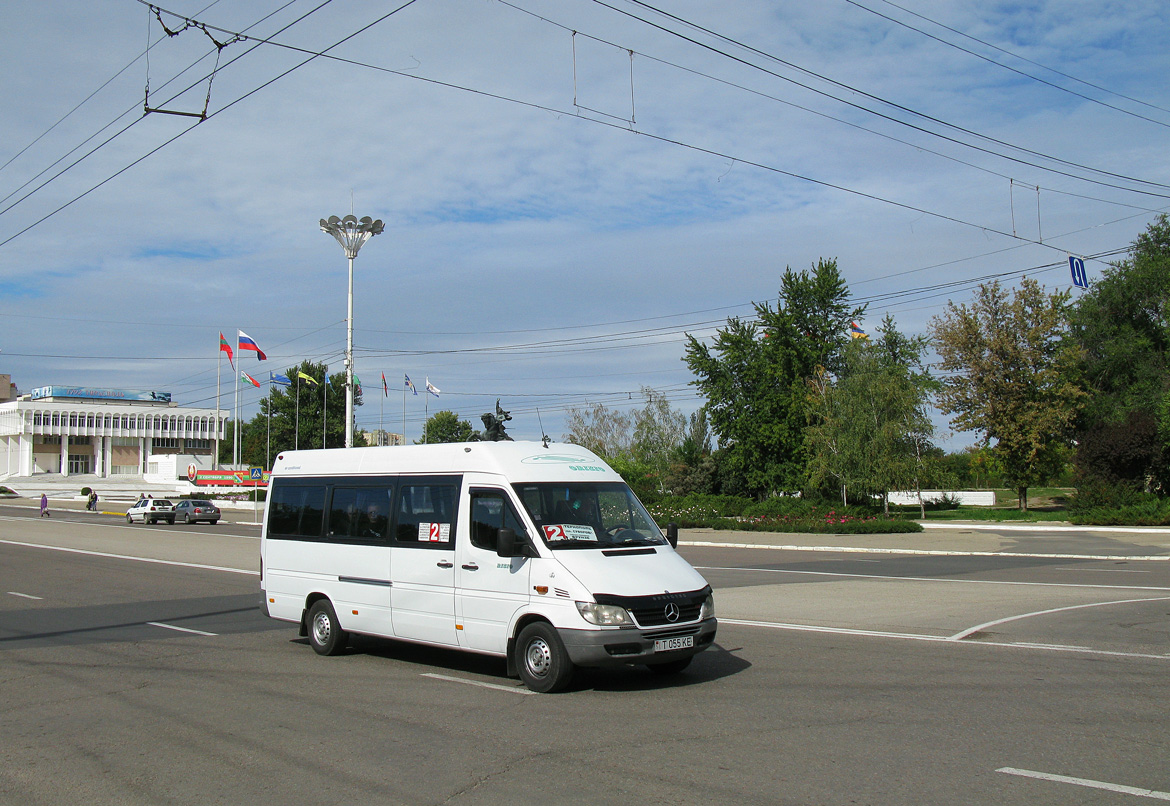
[{"x": 588, "y": 468}]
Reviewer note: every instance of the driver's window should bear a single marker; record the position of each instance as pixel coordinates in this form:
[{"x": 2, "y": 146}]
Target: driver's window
[{"x": 490, "y": 511}]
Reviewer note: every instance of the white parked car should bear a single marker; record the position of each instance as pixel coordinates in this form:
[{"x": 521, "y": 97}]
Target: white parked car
[{"x": 151, "y": 510}]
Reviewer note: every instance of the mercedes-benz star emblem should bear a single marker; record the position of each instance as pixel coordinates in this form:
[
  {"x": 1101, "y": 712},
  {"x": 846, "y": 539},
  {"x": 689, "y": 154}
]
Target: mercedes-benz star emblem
[{"x": 671, "y": 612}]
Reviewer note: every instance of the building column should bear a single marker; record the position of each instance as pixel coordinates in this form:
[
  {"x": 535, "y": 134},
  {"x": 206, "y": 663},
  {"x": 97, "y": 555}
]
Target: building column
[{"x": 65, "y": 454}]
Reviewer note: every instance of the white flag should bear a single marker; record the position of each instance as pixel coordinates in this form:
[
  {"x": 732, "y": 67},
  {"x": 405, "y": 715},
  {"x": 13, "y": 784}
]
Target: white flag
[{"x": 431, "y": 388}]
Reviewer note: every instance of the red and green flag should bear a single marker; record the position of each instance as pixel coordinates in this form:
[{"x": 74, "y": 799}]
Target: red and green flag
[{"x": 224, "y": 347}]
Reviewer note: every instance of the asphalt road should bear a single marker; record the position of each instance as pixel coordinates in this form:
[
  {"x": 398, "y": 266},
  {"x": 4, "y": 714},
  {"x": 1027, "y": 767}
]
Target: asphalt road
[{"x": 135, "y": 668}]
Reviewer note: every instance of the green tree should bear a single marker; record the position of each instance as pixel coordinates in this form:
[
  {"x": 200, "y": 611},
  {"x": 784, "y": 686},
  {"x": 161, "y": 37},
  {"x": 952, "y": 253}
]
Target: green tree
[
  {"x": 1015, "y": 377},
  {"x": 445, "y": 426},
  {"x": 1123, "y": 325},
  {"x": 755, "y": 378},
  {"x": 870, "y": 428}
]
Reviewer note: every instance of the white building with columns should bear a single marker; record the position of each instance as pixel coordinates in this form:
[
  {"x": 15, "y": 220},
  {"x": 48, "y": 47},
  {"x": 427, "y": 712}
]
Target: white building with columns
[{"x": 104, "y": 432}]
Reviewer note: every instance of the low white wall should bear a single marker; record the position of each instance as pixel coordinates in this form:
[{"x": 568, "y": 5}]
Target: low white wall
[{"x": 971, "y": 498}]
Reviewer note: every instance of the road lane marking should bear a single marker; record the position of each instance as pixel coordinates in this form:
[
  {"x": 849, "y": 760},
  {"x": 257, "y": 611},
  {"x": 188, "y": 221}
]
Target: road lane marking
[
  {"x": 1067, "y": 779},
  {"x": 959, "y": 636},
  {"x": 26, "y": 596},
  {"x": 495, "y": 686},
  {"x": 929, "y": 552},
  {"x": 952, "y": 581},
  {"x": 937, "y": 639},
  {"x": 128, "y": 557},
  {"x": 180, "y": 629}
]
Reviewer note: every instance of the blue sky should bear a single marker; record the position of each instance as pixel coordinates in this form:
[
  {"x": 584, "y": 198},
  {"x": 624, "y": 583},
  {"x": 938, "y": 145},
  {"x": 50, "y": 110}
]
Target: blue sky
[{"x": 558, "y": 212}]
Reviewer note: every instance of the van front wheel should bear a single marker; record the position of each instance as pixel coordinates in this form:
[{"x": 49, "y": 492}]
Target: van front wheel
[
  {"x": 541, "y": 658},
  {"x": 325, "y": 634}
]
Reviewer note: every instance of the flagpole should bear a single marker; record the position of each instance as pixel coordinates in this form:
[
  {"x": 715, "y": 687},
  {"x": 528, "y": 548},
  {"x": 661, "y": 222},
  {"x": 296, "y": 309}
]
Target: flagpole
[
  {"x": 325, "y": 409},
  {"x": 218, "y": 369},
  {"x": 381, "y": 410},
  {"x": 268, "y": 450},
  {"x": 297, "y": 430},
  {"x": 426, "y": 409},
  {"x": 236, "y": 414},
  {"x": 404, "y": 410}
]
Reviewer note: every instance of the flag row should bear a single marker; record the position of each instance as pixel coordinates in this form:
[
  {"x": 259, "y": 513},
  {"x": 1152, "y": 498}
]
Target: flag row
[{"x": 246, "y": 342}]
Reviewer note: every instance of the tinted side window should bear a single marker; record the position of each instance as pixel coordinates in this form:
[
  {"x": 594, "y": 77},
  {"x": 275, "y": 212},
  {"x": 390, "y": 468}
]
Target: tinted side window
[
  {"x": 360, "y": 514},
  {"x": 425, "y": 515},
  {"x": 296, "y": 511},
  {"x": 490, "y": 511}
]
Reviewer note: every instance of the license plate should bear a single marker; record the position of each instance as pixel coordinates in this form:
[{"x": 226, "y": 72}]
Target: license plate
[{"x": 668, "y": 644}]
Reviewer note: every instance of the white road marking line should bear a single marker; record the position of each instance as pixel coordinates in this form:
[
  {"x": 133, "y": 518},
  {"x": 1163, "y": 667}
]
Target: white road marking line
[
  {"x": 929, "y": 552},
  {"x": 1066, "y": 779},
  {"x": 938, "y": 579},
  {"x": 938, "y": 639},
  {"x": 959, "y": 636},
  {"x": 1106, "y": 570},
  {"x": 495, "y": 686},
  {"x": 127, "y": 557},
  {"x": 26, "y": 596},
  {"x": 179, "y": 629}
]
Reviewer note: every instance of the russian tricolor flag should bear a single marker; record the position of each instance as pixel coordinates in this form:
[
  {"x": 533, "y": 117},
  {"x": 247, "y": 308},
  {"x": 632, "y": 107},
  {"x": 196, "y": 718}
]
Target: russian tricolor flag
[{"x": 246, "y": 342}]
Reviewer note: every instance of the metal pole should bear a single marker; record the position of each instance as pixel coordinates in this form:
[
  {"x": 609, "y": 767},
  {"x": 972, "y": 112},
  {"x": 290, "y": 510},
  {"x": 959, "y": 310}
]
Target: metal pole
[{"x": 349, "y": 363}]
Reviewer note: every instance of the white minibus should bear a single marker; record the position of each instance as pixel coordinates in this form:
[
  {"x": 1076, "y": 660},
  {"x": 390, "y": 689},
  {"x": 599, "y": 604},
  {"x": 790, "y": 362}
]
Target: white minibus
[{"x": 539, "y": 554}]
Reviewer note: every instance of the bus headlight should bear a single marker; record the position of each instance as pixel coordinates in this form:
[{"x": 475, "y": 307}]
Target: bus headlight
[
  {"x": 604, "y": 615},
  {"x": 708, "y": 609}
]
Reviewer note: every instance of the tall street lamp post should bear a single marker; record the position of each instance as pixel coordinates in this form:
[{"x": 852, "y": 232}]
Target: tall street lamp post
[{"x": 351, "y": 233}]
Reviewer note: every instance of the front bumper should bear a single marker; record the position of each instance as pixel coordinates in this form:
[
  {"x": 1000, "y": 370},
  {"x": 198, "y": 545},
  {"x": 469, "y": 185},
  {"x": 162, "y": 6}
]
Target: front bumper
[{"x": 633, "y": 645}]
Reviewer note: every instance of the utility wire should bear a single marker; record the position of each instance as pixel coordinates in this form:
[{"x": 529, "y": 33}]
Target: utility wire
[
  {"x": 1025, "y": 59},
  {"x": 873, "y": 97},
  {"x": 1000, "y": 64}
]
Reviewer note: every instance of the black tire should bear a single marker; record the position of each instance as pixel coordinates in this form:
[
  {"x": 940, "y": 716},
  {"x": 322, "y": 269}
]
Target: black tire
[
  {"x": 171, "y": 520},
  {"x": 151, "y": 521},
  {"x": 325, "y": 633},
  {"x": 671, "y": 666},
  {"x": 129, "y": 519},
  {"x": 541, "y": 658},
  {"x": 213, "y": 523},
  {"x": 187, "y": 518}
]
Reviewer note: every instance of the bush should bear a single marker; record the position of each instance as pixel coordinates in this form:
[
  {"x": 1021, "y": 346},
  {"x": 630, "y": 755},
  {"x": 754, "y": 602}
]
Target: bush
[
  {"x": 86, "y": 491},
  {"x": 778, "y": 514}
]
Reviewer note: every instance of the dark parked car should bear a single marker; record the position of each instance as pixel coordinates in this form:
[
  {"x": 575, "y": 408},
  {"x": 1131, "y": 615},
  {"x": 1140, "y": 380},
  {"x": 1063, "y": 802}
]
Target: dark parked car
[{"x": 193, "y": 510}]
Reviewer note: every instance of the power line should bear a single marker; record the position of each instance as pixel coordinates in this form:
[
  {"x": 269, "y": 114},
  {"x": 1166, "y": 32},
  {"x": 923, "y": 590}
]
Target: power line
[
  {"x": 879, "y": 99},
  {"x": 877, "y": 13}
]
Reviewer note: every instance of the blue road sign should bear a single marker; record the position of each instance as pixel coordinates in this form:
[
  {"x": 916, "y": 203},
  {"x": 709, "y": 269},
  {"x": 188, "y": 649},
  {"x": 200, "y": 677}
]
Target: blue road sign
[
  {"x": 256, "y": 473},
  {"x": 1080, "y": 279}
]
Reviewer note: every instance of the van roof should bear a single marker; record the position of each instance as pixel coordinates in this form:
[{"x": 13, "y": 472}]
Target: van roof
[{"x": 516, "y": 461}]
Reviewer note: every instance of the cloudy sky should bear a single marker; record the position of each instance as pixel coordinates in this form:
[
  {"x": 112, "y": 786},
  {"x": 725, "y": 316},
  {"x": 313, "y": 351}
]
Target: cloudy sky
[{"x": 567, "y": 187}]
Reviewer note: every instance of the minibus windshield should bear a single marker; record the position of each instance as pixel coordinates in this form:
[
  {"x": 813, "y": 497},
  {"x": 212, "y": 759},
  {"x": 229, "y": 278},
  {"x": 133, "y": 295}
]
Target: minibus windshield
[{"x": 588, "y": 515}]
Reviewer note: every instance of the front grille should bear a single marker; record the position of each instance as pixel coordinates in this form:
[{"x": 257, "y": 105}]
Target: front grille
[
  {"x": 655, "y": 615},
  {"x": 651, "y": 611}
]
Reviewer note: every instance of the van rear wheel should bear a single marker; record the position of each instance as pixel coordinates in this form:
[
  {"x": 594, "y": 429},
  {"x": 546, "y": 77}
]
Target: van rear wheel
[
  {"x": 541, "y": 658},
  {"x": 325, "y": 634}
]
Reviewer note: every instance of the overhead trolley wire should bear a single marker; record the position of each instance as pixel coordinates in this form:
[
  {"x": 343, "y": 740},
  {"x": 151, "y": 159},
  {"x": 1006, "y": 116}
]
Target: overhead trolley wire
[
  {"x": 879, "y": 99},
  {"x": 1090, "y": 99}
]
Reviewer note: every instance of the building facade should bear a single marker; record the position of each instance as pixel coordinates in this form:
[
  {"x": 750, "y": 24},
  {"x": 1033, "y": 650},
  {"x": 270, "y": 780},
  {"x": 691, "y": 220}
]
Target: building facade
[{"x": 104, "y": 432}]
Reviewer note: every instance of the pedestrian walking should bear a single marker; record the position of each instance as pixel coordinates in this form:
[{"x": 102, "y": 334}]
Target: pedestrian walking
[{"x": 45, "y": 506}]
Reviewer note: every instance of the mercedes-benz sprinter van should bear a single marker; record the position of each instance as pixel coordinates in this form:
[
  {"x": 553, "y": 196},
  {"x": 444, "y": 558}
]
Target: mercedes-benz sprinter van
[{"x": 538, "y": 554}]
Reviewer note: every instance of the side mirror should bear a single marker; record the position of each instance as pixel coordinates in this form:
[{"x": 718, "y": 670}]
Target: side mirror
[
  {"x": 509, "y": 544},
  {"x": 506, "y": 542},
  {"x": 672, "y": 535}
]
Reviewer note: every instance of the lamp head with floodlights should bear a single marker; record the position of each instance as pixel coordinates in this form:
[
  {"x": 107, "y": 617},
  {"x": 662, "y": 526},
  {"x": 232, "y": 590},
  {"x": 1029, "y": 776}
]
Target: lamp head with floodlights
[{"x": 352, "y": 232}]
